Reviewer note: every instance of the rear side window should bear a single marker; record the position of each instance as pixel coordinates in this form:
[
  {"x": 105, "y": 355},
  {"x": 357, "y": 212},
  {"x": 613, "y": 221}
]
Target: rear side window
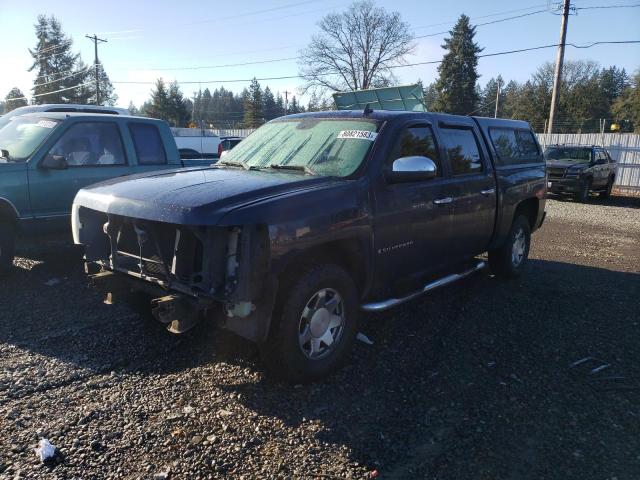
[
  {"x": 87, "y": 144},
  {"x": 462, "y": 150},
  {"x": 514, "y": 146},
  {"x": 417, "y": 140},
  {"x": 148, "y": 144}
]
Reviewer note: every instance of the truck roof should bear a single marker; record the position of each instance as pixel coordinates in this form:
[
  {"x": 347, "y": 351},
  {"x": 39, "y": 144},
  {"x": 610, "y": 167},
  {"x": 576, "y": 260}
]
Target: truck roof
[
  {"x": 391, "y": 114},
  {"x": 63, "y": 115}
]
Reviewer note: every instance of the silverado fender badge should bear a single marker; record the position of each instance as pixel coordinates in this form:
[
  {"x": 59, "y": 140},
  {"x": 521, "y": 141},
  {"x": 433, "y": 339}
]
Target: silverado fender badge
[{"x": 392, "y": 248}]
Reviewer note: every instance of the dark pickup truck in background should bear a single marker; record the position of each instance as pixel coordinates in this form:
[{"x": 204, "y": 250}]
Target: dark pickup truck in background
[
  {"x": 579, "y": 170},
  {"x": 314, "y": 217}
]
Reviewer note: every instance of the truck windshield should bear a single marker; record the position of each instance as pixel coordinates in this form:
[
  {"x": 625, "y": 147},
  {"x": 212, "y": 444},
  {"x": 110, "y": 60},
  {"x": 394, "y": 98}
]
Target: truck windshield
[
  {"x": 582, "y": 155},
  {"x": 20, "y": 137},
  {"x": 314, "y": 145}
]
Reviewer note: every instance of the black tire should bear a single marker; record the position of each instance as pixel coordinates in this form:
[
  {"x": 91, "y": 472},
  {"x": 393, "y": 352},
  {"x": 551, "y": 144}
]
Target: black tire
[
  {"x": 582, "y": 195},
  {"x": 503, "y": 260},
  {"x": 283, "y": 352},
  {"x": 7, "y": 247},
  {"x": 607, "y": 192}
]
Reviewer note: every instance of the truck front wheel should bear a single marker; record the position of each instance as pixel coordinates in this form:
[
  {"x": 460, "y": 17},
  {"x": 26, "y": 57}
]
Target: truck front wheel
[
  {"x": 314, "y": 324},
  {"x": 7, "y": 247},
  {"x": 509, "y": 260}
]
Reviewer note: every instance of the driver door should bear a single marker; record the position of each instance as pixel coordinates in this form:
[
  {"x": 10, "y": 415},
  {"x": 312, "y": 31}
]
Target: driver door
[
  {"x": 412, "y": 219},
  {"x": 92, "y": 152}
]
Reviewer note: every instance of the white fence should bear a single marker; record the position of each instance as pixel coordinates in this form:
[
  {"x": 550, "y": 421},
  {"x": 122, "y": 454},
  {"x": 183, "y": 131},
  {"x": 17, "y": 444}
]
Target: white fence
[{"x": 623, "y": 147}]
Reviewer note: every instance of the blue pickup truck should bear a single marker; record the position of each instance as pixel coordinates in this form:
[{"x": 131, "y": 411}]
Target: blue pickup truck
[{"x": 46, "y": 157}]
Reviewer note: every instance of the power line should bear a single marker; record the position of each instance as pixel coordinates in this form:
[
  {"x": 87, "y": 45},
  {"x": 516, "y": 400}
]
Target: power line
[
  {"x": 55, "y": 91},
  {"x": 484, "y": 16},
  {"x": 288, "y": 77},
  {"x": 608, "y": 6},
  {"x": 78, "y": 72}
]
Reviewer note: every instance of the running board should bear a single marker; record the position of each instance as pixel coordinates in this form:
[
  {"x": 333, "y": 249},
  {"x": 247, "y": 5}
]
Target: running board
[{"x": 392, "y": 302}]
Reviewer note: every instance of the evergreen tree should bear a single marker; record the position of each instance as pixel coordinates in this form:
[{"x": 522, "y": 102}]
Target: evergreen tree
[
  {"x": 430, "y": 96},
  {"x": 279, "y": 105},
  {"x": 269, "y": 106},
  {"x": 456, "y": 85},
  {"x": 56, "y": 65},
  {"x": 14, "y": 99},
  {"x": 159, "y": 106},
  {"x": 133, "y": 110},
  {"x": 253, "y": 115},
  {"x": 205, "y": 108},
  {"x": 488, "y": 98},
  {"x": 293, "y": 106},
  {"x": 626, "y": 108},
  {"x": 179, "y": 112}
]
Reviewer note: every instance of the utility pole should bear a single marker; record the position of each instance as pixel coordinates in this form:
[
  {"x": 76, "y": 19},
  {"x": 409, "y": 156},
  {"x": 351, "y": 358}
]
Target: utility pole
[
  {"x": 95, "y": 41},
  {"x": 495, "y": 115},
  {"x": 557, "y": 76},
  {"x": 286, "y": 101}
]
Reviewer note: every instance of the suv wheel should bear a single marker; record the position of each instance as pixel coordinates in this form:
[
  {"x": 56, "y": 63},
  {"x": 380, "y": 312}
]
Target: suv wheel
[
  {"x": 509, "y": 260},
  {"x": 7, "y": 247},
  {"x": 314, "y": 324},
  {"x": 583, "y": 193},
  {"x": 607, "y": 192}
]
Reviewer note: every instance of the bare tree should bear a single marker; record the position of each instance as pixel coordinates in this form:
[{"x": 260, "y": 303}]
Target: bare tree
[{"x": 356, "y": 49}]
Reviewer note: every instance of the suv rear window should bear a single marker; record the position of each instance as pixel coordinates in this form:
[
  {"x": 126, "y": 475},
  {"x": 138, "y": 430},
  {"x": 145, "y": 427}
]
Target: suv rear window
[
  {"x": 148, "y": 144},
  {"x": 514, "y": 146}
]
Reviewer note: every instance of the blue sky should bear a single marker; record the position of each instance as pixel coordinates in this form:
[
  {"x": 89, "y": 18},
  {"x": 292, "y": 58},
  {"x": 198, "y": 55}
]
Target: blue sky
[{"x": 146, "y": 36}]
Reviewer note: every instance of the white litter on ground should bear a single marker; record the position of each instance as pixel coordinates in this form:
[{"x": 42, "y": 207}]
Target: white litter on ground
[
  {"x": 188, "y": 410},
  {"x": 45, "y": 450},
  {"x": 364, "y": 339}
]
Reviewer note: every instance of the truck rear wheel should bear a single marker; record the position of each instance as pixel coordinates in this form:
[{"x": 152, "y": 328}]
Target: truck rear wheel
[
  {"x": 7, "y": 247},
  {"x": 314, "y": 324},
  {"x": 509, "y": 260},
  {"x": 607, "y": 192}
]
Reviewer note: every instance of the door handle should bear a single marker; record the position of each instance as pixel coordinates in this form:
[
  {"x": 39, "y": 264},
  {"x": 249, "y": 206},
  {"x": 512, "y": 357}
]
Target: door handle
[
  {"x": 443, "y": 201},
  {"x": 488, "y": 191}
]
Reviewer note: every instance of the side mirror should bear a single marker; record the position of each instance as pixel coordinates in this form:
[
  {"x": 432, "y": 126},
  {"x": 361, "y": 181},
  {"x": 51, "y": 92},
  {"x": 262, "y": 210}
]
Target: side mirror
[
  {"x": 412, "y": 169},
  {"x": 54, "y": 162}
]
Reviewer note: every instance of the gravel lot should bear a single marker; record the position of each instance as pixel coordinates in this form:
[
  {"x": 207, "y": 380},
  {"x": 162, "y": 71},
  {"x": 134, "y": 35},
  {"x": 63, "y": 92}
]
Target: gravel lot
[{"x": 473, "y": 381}]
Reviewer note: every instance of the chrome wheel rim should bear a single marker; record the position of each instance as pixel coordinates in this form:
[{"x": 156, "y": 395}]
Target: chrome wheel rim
[
  {"x": 519, "y": 247},
  {"x": 321, "y": 324}
]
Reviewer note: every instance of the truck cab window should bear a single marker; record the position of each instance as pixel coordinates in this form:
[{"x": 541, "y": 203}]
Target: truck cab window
[
  {"x": 417, "y": 140},
  {"x": 462, "y": 150},
  {"x": 148, "y": 144},
  {"x": 90, "y": 144}
]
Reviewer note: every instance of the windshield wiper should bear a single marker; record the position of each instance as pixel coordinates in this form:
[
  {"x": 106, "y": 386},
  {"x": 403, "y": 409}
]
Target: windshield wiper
[
  {"x": 232, "y": 163},
  {"x": 301, "y": 168}
]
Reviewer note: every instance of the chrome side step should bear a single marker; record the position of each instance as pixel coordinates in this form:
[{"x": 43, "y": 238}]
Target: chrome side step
[{"x": 392, "y": 302}]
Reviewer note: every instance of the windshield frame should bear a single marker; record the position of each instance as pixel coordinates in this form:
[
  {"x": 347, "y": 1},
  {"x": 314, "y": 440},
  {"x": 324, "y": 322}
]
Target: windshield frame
[
  {"x": 35, "y": 118},
  {"x": 356, "y": 173},
  {"x": 570, "y": 160}
]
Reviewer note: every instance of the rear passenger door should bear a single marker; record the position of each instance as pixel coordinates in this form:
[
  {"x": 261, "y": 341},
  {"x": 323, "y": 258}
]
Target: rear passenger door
[
  {"x": 149, "y": 148},
  {"x": 471, "y": 189}
]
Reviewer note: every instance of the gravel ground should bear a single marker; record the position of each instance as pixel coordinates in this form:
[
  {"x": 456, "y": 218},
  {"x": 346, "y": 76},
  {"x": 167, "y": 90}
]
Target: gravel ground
[{"x": 473, "y": 381}]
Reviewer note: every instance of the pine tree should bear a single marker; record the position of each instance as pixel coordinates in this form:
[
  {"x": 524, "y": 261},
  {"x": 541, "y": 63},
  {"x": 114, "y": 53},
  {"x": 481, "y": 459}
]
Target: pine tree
[
  {"x": 293, "y": 106},
  {"x": 133, "y": 110},
  {"x": 488, "y": 98},
  {"x": 456, "y": 84},
  {"x": 253, "y": 115},
  {"x": 280, "y": 105},
  {"x": 14, "y": 99},
  {"x": 178, "y": 107},
  {"x": 159, "y": 105},
  {"x": 55, "y": 64},
  {"x": 269, "y": 106},
  {"x": 626, "y": 109}
]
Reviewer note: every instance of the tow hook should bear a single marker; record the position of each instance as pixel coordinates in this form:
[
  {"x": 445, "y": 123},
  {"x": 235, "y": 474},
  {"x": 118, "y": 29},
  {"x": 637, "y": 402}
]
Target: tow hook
[{"x": 178, "y": 314}]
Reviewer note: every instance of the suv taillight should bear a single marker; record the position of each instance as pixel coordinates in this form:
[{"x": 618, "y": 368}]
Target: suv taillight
[{"x": 219, "y": 149}]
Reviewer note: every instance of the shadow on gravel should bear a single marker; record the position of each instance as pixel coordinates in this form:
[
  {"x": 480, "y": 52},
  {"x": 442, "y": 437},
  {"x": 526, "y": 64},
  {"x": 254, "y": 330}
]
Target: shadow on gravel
[
  {"x": 612, "y": 201},
  {"x": 475, "y": 374}
]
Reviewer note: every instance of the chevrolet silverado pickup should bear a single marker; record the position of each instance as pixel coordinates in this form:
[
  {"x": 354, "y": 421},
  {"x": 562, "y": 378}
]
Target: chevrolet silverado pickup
[
  {"x": 314, "y": 218},
  {"x": 46, "y": 157}
]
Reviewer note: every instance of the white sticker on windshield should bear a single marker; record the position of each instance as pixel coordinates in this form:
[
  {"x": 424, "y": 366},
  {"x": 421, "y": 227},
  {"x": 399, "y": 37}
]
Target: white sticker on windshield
[
  {"x": 46, "y": 124},
  {"x": 362, "y": 134}
]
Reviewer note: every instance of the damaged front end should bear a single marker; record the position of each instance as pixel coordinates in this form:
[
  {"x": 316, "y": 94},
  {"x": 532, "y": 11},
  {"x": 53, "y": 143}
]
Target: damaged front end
[{"x": 192, "y": 271}]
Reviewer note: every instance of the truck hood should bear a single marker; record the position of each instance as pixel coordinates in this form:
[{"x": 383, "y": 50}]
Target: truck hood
[
  {"x": 194, "y": 196},
  {"x": 567, "y": 164}
]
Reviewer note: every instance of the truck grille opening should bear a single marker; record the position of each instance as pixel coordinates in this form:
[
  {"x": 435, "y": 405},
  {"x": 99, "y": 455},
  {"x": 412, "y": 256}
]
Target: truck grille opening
[{"x": 555, "y": 173}]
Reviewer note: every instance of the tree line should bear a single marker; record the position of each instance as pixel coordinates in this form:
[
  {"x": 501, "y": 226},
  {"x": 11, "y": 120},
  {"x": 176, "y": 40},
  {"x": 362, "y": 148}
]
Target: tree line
[{"x": 356, "y": 49}]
